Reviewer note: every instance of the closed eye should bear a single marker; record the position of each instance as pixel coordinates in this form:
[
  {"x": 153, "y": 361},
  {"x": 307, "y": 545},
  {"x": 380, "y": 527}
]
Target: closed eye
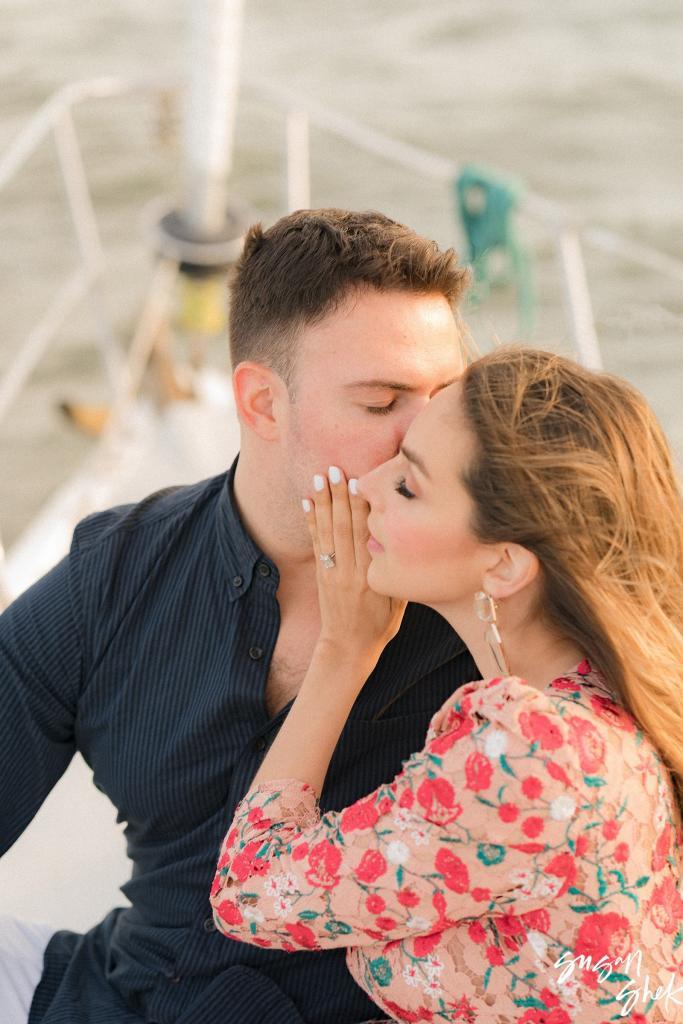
[
  {"x": 400, "y": 487},
  {"x": 381, "y": 410}
]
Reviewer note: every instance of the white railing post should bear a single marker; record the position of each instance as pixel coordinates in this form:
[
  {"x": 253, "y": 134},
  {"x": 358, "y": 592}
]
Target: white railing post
[
  {"x": 31, "y": 352},
  {"x": 577, "y": 298},
  {"x": 154, "y": 314},
  {"x": 88, "y": 238},
  {"x": 298, "y": 161}
]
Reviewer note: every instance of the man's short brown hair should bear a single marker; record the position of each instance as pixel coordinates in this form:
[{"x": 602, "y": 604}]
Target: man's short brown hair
[{"x": 305, "y": 266}]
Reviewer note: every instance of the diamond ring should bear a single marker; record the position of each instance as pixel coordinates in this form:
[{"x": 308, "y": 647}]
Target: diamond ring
[{"x": 328, "y": 560}]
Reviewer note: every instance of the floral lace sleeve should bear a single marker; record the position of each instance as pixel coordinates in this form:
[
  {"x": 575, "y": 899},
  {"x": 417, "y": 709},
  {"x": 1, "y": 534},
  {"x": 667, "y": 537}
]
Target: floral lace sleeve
[{"x": 420, "y": 852}]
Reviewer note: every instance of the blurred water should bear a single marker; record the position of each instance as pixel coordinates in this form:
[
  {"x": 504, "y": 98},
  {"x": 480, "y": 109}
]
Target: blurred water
[{"x": 581, "y": 101}]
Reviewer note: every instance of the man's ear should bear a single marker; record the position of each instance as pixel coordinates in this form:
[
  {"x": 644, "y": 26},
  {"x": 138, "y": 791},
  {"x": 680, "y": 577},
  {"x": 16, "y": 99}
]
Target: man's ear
[
  {"x": 514, "y": 570},
  {"x": 259, "y": 393}
]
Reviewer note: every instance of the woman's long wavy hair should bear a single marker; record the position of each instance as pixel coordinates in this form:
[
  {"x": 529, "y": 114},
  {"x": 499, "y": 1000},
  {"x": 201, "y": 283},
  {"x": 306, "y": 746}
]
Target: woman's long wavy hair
[{"x": 574, "y": 466}]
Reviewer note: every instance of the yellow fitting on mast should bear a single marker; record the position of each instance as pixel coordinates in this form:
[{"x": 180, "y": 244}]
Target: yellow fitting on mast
[{"x": 203, "y": 304}]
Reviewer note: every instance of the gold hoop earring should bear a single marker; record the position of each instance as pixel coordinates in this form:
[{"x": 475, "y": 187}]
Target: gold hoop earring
[{"x": 486, "y": 610}]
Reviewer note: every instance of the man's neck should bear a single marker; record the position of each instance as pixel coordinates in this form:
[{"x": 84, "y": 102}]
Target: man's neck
[{"x": 267, "y": 515}]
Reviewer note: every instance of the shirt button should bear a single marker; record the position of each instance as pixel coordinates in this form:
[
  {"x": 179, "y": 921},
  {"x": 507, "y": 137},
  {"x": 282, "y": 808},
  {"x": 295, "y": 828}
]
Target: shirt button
[
  {"x": 259, "y": 744},
  {"x": 209, "y": 925},
  {"x": 174, "y": 978},
  {"x": 263, "y": 569},
  {"x": 255, "y": 653},
  {"x": 237, "y": 581}
]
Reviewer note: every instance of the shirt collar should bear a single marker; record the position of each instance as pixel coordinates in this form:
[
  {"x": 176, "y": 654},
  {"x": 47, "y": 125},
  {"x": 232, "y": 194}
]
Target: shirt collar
[{"x": 242, "y": 555}]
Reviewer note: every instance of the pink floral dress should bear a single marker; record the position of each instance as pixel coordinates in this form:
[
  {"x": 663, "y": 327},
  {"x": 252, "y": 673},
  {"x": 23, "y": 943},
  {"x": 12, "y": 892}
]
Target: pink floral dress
[{"x": 533, "y": 827}]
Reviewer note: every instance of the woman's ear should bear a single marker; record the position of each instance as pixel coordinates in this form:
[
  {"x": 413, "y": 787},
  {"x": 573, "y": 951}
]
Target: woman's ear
[
  {"x": 258, "y": 396},
  {"x": 515, "y": 569}
]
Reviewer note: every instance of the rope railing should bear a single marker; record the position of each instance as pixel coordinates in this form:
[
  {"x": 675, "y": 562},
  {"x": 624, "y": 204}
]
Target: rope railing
[
  {"x": 423, "y": 162},
  {"x": 43, "y": 121},
  {"x": 442, "y": 169},
  {"x": 54, "y": 118}
]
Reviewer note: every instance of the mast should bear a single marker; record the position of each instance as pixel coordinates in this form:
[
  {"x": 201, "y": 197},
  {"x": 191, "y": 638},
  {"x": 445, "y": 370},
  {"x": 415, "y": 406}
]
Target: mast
[
  {"x": 203, "y": 236},
  {"x": 210, "y": 109}
]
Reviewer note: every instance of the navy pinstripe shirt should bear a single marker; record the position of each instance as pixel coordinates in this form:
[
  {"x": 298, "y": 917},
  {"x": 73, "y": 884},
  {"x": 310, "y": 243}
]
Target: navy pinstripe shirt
[{"x": 147, "y": 648}]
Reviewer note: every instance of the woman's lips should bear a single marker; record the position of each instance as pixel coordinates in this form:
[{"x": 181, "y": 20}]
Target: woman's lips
[{"x": 374, "y": 545}]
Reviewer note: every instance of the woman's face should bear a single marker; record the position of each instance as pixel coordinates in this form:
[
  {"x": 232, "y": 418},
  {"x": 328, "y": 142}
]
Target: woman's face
[{"x": 420, "y": 512}]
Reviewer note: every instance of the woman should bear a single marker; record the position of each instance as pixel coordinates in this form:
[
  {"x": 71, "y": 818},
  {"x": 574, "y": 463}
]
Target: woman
[{"x": 534, "y": 504}]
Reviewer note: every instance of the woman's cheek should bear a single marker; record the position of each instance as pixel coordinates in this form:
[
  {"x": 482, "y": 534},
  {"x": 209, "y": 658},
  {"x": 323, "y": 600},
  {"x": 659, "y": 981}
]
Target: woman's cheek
[
  {"x": 436, "y": 548},
  {"x": 415, "y": 544}
]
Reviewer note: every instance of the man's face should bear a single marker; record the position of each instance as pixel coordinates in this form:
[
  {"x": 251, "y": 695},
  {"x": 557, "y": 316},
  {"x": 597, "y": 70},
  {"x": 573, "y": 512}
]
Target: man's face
[{"x": 362, "y": 376}]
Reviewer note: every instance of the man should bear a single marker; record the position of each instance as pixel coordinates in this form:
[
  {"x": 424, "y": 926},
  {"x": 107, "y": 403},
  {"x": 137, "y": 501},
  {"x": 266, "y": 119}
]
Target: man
[{"x": 169, "y": 644}]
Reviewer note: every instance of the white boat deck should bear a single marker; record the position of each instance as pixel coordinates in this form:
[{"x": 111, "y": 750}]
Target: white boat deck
[{"x": 66, "y": 868}]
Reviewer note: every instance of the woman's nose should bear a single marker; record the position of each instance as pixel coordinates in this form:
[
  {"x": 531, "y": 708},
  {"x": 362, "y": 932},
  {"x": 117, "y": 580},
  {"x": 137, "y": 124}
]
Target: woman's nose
[
  {"x": 370, "y": 485},
  {"x": 366, "y": 485},
  {"x": 362, "y": 486}
]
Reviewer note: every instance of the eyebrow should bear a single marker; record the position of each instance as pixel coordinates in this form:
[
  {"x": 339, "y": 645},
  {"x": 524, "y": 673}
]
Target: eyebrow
[
  {"x": 391, "y": 385},
  {"x": 413, "y": 457}
]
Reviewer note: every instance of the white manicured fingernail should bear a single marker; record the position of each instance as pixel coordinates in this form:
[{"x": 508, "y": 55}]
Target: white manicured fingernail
[
  {"x": 306, "y": 504},
  {"x": 334, "y": 474},
  {"x": 353, "y": 485},
  {"x": 318, "y": 482}
]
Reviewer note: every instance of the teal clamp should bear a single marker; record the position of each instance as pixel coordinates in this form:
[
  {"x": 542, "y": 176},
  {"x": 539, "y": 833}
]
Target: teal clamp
[{"x": 486, "y": 205}]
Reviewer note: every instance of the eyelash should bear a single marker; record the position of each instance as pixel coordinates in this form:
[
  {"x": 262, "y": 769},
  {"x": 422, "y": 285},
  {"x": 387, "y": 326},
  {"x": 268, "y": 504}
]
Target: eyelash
[
  {"x": 400, "y": 487},
  {"x": 381, "y": 410}
]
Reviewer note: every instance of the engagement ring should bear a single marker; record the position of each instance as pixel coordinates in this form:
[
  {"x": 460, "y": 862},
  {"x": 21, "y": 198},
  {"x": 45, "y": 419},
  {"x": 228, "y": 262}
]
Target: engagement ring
[{"x": 328, "y": 560}]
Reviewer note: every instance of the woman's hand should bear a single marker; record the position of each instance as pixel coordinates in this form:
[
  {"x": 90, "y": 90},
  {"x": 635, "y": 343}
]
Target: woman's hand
[
  {"x": 356, "y": 625},
  {"x": 354, "y": 619}
]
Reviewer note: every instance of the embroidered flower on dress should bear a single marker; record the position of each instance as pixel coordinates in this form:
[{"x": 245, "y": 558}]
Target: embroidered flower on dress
[
  {"x": 418, "y": 924},
  {"x": 432, "y": 987},
  {"x": 478, "y": 772},
  {"x": 253, "y": 914},
  {"x": 403, "y": 818},
  {"x": 282, "y": 906},
  {"x": 372, "y": 866},
  {"x": 271, "y": 886},
  {"x": 420, "y": 836},
  {"x": 285, "y": 882},
  {"x": 589, "y": 742},
  {"x": 562, "y": 807},
  {"x": 411, "y": 975},
  {"x": 545, "y": 886},
  {"x": 470, "y": 840},
  {"x": 538, "y": 943},
  {"x": 666, "y": 906},
  {"x": 542, "y": 729},
  {"x": 398, "y": 852},
  {"x": 361, "y": 815},
  {"x": 496, "y": 743},
  {"x": 324, "y": 860},
  {"x": 434, "y": 965}
]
